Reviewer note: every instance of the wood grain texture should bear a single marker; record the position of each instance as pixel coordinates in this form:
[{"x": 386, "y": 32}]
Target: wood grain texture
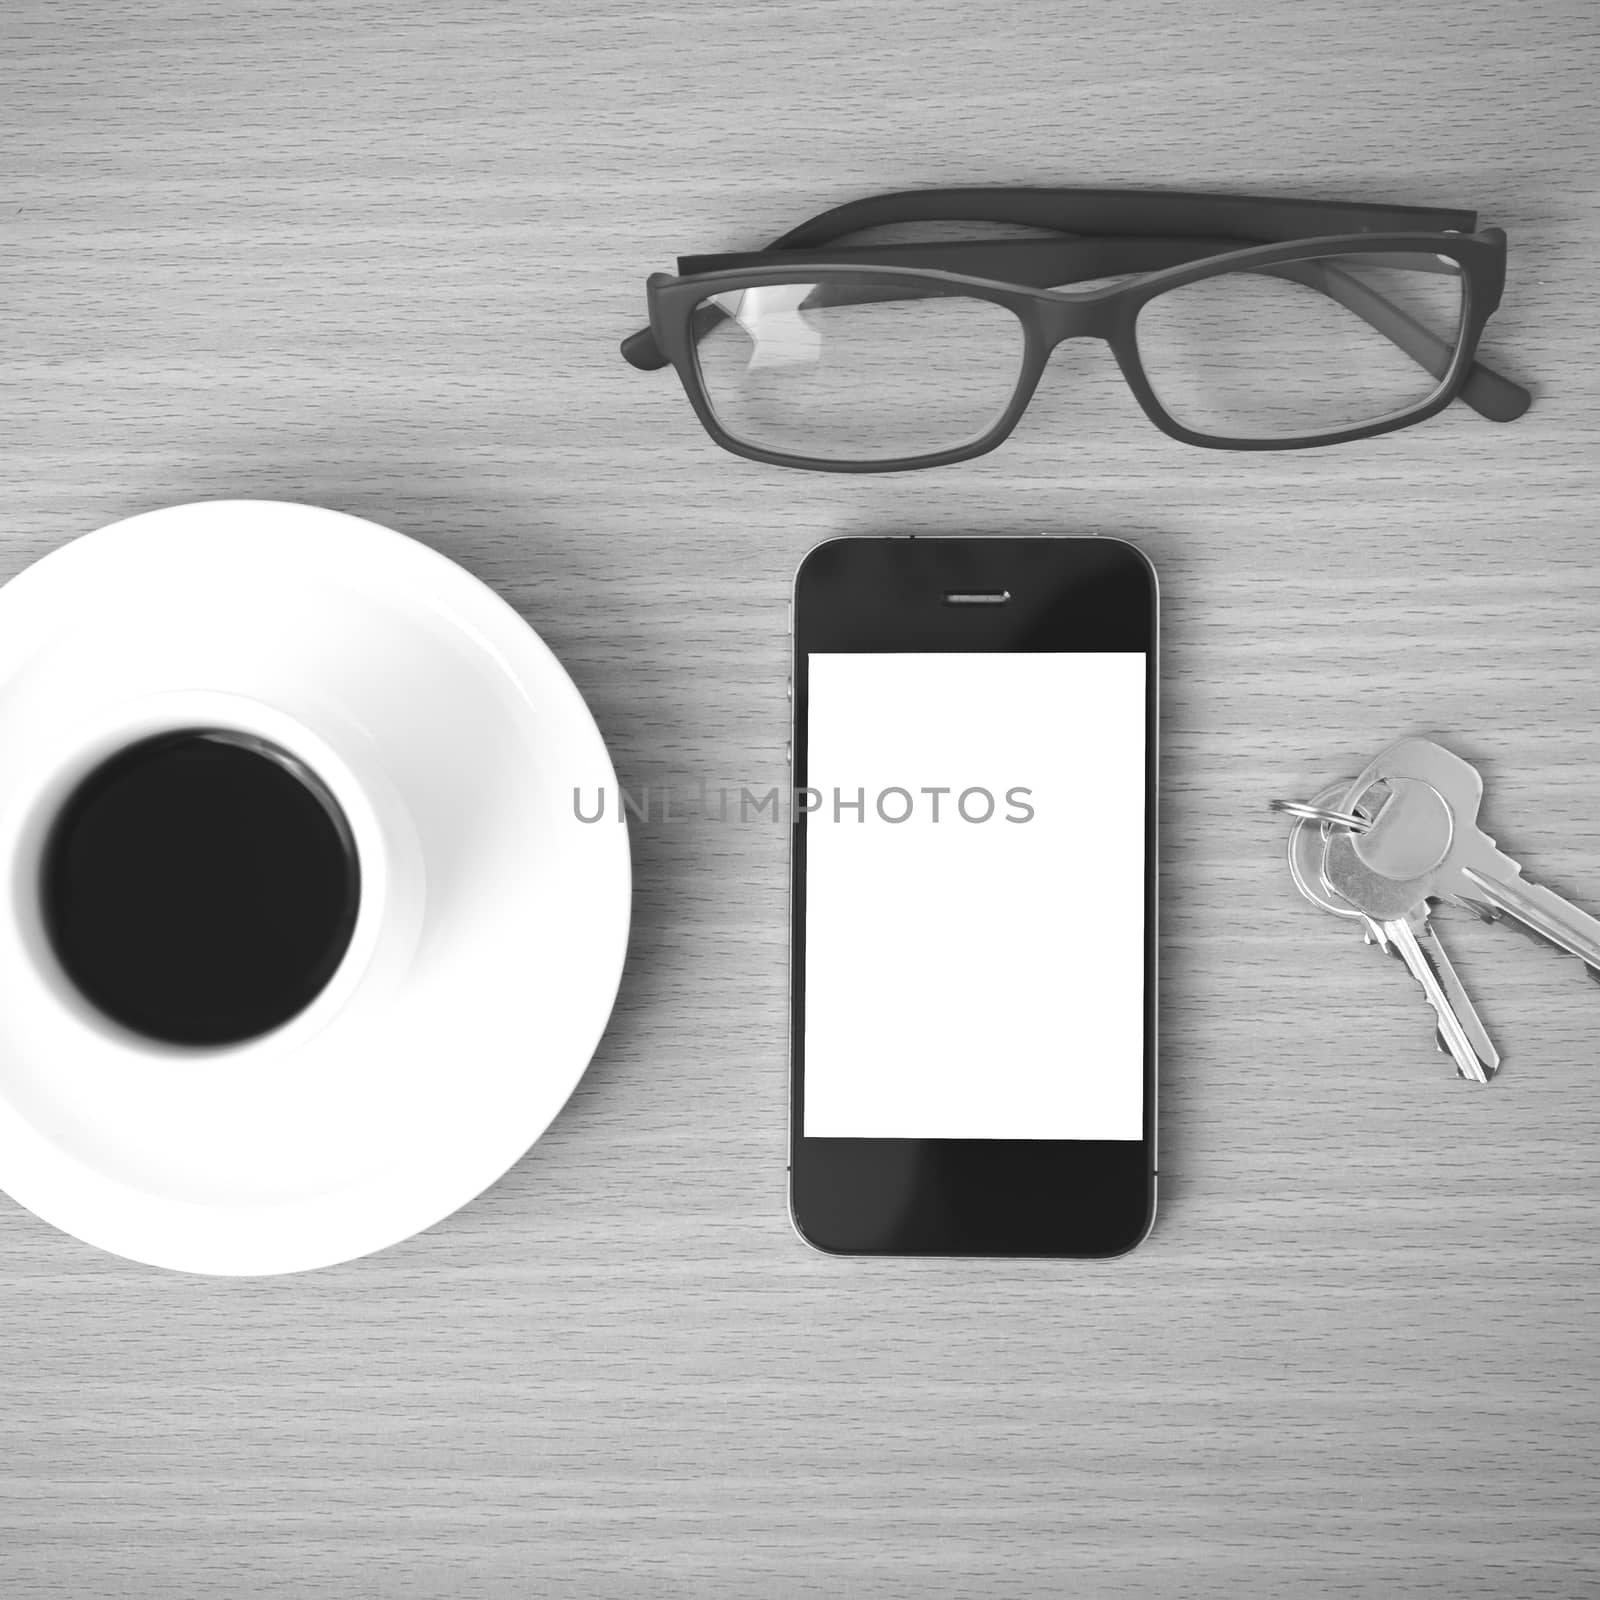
[{"x": 380, "y": 259}]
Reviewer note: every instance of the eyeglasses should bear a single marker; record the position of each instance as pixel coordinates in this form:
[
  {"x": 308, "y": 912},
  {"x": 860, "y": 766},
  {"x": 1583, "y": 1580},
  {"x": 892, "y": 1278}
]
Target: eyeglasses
[{"x": 1239, "y": 323}]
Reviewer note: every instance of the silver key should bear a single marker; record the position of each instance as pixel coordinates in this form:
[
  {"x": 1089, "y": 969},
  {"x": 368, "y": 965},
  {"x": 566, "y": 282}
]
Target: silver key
[
  {"x": 1412, "y": 939},
  {"x": 1425, "y": 844}
]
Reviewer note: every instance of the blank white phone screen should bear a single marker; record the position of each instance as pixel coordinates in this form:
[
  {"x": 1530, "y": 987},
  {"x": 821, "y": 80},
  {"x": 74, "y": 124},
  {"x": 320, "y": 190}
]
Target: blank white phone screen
[{"x": 975, "y": 896}]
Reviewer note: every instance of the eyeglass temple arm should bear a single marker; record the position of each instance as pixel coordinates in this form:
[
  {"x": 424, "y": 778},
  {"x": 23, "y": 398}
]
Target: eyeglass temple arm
[
  {"x": 1211, "y": 217},
  {"x": 1158, "y": 213}
]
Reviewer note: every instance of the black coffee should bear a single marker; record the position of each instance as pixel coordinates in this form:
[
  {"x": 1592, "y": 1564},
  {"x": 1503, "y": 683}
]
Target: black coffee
[{"x": 200, "y": 887}]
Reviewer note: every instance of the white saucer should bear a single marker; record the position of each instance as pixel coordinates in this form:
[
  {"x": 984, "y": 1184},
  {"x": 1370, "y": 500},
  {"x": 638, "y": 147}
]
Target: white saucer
[{"x": 493, "y": 923}]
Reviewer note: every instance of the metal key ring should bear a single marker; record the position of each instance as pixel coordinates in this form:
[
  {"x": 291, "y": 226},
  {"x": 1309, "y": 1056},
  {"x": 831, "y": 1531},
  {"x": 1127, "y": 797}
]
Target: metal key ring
[
  {"x": 1305, "y": 872},
  {"x": 1315, "y": 813}
]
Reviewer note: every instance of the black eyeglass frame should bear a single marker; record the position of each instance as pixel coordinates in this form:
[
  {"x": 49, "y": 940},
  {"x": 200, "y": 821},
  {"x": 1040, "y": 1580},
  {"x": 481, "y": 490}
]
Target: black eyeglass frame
[{"x": 1049, "y": 316}]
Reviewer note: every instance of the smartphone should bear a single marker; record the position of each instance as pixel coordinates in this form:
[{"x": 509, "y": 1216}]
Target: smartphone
[{"x": 973, "y": 968}]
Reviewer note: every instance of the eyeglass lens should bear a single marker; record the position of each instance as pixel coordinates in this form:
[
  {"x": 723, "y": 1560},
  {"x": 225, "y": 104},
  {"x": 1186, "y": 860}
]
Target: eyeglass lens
[
  {"x": 847, "y": 373},
  {"x": 1303, "y": 348}
]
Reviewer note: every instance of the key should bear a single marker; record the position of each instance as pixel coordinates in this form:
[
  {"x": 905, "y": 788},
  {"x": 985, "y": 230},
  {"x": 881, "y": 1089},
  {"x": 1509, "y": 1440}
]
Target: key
[
  {"x": 1460, "y": 1031},
  {"x": 1425, "y": 844}
]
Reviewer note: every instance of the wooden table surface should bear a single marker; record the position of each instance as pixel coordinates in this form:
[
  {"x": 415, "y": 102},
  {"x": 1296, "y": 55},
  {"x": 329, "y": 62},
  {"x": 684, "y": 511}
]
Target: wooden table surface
[{"x": 380, "y": 259}]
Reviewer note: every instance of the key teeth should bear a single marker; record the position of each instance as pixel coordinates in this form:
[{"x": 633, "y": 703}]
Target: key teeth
[
  {"x": 1461, "y": 1071},
  {"x": 1488, "y": 1068}
]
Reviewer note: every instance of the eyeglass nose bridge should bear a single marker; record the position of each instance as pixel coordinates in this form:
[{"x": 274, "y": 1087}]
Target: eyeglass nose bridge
[{"x": 1060, "y": 319}]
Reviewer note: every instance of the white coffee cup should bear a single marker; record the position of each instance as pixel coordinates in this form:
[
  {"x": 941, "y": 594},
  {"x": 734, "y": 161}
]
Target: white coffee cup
[{"x": 392, "y": 881}]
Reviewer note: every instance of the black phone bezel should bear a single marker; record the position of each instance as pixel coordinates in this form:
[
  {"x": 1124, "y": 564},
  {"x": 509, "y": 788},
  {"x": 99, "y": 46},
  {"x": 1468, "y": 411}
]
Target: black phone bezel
[{"x": 959, "y": 1197}]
